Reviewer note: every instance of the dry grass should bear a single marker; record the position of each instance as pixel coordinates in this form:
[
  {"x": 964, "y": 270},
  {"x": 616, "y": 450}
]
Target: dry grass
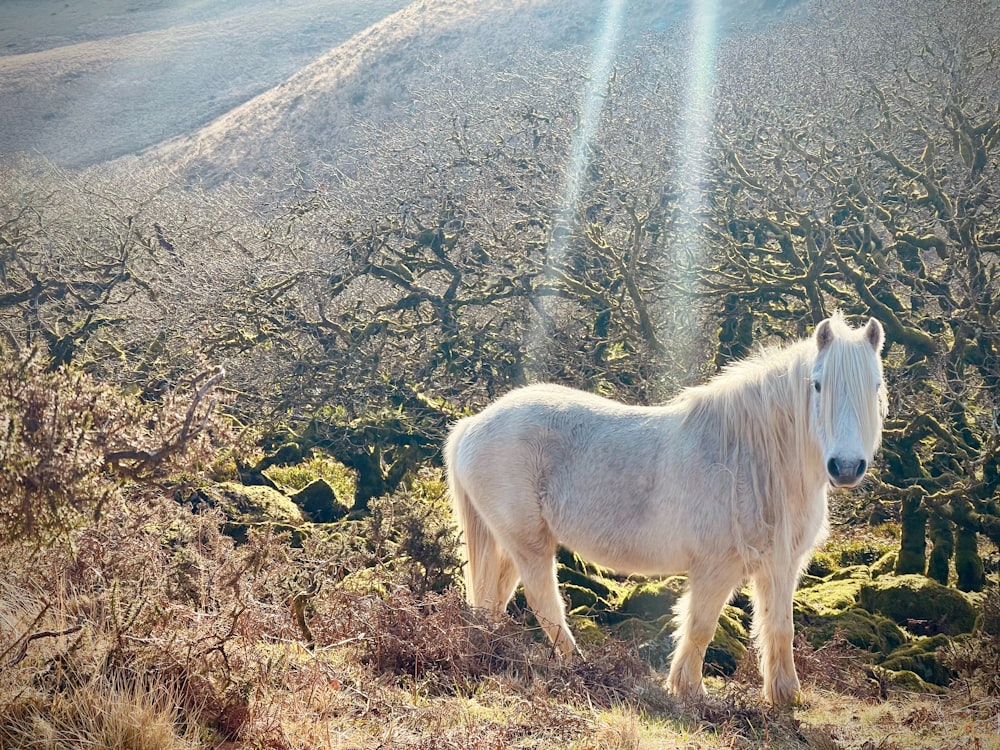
[
  {"x": 115, "y": 714},
  {"x": 153, "y": 630}
]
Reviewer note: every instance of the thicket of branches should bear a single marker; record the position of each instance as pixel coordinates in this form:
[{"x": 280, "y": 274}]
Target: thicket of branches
[{"x": 365, "y": 313}]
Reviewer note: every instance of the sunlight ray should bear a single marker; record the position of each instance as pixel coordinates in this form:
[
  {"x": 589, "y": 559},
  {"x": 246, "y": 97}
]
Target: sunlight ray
[
  {"x": 592, "y": 104},
  {"x": 694, "y": 140}
]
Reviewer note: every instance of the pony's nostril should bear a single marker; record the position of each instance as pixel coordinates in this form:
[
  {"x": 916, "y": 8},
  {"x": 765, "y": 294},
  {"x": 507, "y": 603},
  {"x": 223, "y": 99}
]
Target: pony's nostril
[
  {"x": 832, "y": 469},
  {"x": 862, "y": 466}
]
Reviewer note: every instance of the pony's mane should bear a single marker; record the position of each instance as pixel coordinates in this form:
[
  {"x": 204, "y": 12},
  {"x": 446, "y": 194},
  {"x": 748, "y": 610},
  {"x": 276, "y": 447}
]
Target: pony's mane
[
  {"x": 771, "y": 378},
  {"x": 761, "y": 403},
  {"x": 757, "y": 411}
]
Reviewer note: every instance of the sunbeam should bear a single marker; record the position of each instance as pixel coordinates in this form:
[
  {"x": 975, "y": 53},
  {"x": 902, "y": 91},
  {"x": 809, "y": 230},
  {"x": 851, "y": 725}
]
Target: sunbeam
[
  {"x": 593, "y": 96},
  {"x": 694, "y": 140}
]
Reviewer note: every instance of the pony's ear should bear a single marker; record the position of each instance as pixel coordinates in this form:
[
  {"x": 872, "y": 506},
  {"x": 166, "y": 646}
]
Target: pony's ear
[
  {"x": 823, "y": 334},
  {"x": 874, "y": 334}
]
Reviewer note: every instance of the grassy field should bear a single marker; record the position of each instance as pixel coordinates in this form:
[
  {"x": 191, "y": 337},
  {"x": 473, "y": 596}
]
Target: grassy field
[{"x": 152, "y": 629}]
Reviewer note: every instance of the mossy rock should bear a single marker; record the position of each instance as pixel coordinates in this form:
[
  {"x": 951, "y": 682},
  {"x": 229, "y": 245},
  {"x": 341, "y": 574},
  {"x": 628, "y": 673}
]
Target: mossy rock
[
  {"x": 808, "y": 581},
  {"x": 729, "y": 646},
  {"x": 851, "y": 573},
  {"x": 653, "y": 639},
  {"x": 910, "y": 682},
  {"x": 920, "y": 657},
  {"x": 859, "y": 627},
  {"x": 835, "y": 593},
  {"x": 741, "y": 600},
  {"x": 885, "y": 565},
  {"x": 583, "y": 600},
  {"x": 651, "y": 600},
  {"x": 569, "y": 575},
  {"x": 821, "y": 565},
  {"x": 586, "y": 631},
  {"x": 247, "y": 503},
  {"x": 860, "y": 552},
  {"x": 636, "y": 630},
  {"x": 319, "y": 500},
  {"x": 916, "y": 602}
]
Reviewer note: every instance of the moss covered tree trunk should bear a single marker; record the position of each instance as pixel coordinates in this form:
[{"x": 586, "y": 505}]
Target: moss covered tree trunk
[
  {"x": 943, "y": 541},
  {"x": 968, "y": 564},
  {"x": 912, "y": 538}
]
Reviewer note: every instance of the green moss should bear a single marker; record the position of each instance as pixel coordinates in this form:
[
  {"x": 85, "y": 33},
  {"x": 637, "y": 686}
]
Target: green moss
[
  {"x": 921, "y": 658},
  {"x": 943, "y": 538},
  {"x": 910, "y": 682},
  {"x": 833, "y": 594},
  {"x": 885, "y": 565},
  {"x": 635, "y": 630},
  {"x": 586, "y": 631},
  {"x": 807, "y": 581},
  {"x": 241, "y": 503},
  {"x": 729, "y": 646},
  {"x": 583, "y": 600},
  {"x": 821, "y": 565},
  {"x": 580, "y": 579},
  {"x": 299, "y": 475},
  {"x": 319, "y": 499},
  {"x": 910, "y": 599},
  {"x": 858, "y": 548},
  {"x": 913, "y": 536},
  {"x": 857, "y": 626},
  {"x": 653, "y": 599},
  {"x": 850, "y": 573},
  {"x": 968, "y": 564}
]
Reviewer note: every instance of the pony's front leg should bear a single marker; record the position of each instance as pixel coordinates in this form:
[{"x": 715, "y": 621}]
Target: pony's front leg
[
  {"x": 698, "y": 617},
  {"x": 773, "y": 632}
]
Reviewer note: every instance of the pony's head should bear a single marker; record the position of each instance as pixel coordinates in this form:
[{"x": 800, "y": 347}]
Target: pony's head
[{"x": 848, "y": 398}]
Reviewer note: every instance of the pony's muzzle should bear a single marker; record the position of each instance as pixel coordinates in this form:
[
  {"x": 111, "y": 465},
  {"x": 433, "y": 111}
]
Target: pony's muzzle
[{"x": 846, "y": 472}]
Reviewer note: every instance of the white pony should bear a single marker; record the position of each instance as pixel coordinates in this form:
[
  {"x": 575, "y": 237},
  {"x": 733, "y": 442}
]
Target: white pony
[{"x": 728, "y": 481}]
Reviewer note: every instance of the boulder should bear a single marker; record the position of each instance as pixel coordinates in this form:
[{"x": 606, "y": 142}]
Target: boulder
[
  {"x": 836, "y": 592},
  {"x": 651, "y": 600},
  {"x": 319, "y": 500},
  {"x": 885, "y": 565},
  {"x": 820, "y": 565},
  {"x": 919, "y": 604},
  {"x": 586, "y": 631},
  {"x": 910, "y": 682},
  {"x": 247, "y": 503},
  {"x": 859, "y": 627},
  {"x": 921, "y": 657}
]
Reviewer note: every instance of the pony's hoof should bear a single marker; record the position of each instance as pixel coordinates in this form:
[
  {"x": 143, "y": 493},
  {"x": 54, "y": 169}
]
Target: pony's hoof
[
  {"x": 784, "y": 696},
  {"x": 687, "y": 691}
]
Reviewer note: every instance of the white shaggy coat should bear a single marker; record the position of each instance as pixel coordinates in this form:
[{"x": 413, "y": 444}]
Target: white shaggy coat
[{"x": 726, "y": 482}]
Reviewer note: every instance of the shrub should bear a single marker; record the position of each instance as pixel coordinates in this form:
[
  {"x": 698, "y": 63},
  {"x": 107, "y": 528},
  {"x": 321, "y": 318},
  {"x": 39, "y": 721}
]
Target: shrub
[
  {"x": 413, "y": 533},
  {"x": 67, "y": 441},
  {"x": 977, "y": 659}
]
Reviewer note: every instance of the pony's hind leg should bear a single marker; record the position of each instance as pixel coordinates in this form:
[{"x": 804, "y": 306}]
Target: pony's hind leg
[
  {"x": 493, "y": 577},
  {"x": 698, "y": 617},
  {"x": 541, "y": 589},
  {"x": 504, "y": 581}
]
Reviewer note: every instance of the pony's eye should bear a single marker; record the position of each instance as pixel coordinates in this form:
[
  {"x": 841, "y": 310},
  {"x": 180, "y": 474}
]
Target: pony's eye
[{"x": 816, "y": 386}]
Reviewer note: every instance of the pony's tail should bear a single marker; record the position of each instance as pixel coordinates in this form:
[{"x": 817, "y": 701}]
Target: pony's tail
[{"x": 478, "y": 547}]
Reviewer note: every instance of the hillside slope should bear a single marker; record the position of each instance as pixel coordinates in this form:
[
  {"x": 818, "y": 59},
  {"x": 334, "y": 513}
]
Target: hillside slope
[
  {"x": 375, "y": 79},
  {"x": 82, "y": 83}
]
